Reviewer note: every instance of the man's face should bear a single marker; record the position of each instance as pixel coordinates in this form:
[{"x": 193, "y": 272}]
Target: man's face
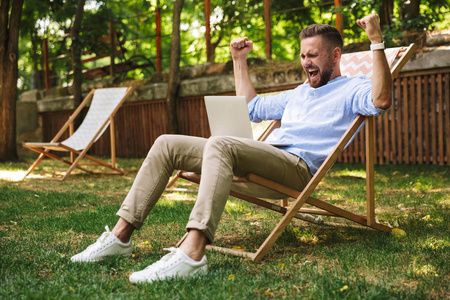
[{"x": 317, "y": 61}]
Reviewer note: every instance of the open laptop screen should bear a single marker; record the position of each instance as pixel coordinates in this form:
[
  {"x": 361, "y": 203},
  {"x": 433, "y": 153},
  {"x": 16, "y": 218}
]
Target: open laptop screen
[{"x": 228, "y": 115}]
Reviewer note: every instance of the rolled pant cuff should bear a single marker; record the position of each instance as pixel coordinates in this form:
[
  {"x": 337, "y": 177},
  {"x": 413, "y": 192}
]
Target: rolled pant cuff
[
  {"x": 202, "y": 227},
  {"x": 130, "y": 219}
]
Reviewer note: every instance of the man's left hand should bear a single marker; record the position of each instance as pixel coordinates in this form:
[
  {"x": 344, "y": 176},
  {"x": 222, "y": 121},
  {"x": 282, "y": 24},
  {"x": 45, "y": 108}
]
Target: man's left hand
[{"x": 372, "y": 27}]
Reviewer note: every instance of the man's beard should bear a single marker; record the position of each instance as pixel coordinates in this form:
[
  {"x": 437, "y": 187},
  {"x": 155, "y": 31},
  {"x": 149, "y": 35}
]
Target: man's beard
[{"x": 325, "y": 75}]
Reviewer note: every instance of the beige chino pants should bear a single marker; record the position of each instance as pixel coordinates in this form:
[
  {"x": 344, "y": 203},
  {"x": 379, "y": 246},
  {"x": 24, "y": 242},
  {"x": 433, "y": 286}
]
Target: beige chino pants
[{"x": 217, "y": 159}]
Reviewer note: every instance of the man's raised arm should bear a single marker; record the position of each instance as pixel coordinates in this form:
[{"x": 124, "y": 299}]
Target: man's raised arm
[
  {"x": 382, "y": 79},
  {"x": 239, "y": 49}
]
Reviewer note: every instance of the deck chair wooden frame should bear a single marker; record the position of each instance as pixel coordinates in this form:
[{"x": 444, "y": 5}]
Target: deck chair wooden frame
[
  {"x": 76, "y": 154},
  {"x": 301, "y": 197}
]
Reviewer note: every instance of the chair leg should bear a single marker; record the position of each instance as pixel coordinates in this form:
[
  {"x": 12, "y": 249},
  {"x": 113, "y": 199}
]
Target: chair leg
[
  {"x": 34, "y": 165},
  {"x": 370, "y": 172},
  {"x": 173, "y": 181},
  {"x": 281, "y": 226},
  {"x": 74, "y": 164}
]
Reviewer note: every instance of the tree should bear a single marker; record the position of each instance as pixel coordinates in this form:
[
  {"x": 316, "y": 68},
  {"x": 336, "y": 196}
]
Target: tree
[
  {"x": 10, "y": 14},
  {"x": 76, "y": 50},
  {"x": 44, "y": 19},
  {"x": 174, "y": 70}
]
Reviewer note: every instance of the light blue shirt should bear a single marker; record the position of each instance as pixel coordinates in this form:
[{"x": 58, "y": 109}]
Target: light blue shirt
[{"x": 314, "y": 119}]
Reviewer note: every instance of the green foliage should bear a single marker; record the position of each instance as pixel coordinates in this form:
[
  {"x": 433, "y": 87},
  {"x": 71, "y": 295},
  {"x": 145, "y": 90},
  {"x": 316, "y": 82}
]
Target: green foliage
[
  {"x": 135, "y": 22},
  {"x": 402, "y": 24}
]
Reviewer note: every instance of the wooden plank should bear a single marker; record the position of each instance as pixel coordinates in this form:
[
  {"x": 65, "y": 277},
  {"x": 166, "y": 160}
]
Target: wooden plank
[
  {"x": 337, "y": 211},
  {"x": 356, "y": 148},
  {"x": 433, "y": 119},
  {"x": 447, "y": 117},
  {"x": 419, "y": 112},
  {"x": 399, "y": 120},
  {"x": 317, "y": 211},
  {"x": 425, "y": 72},
  {"x": 392, "y": 126},
  {"x": 206, "y": 131},
  {"x": 350, "y": 153},
  {"x": 232, "y": 251},
  {"x": 370, "y": 172},
  {"x": 113, "y": 141},
  {"x": 386, "y": 146},
  {"x": 273, "y": 185},
  {"x": 426, "y": 121},
  {"x": 149, "y": 136},
  {"x": 412, "y": 118},
  {"x": 379, "y": 133},
  {"x": 440, "y": 120},
  {"x": 405, "y": 120},
  {"x": 362, "y": 145}
]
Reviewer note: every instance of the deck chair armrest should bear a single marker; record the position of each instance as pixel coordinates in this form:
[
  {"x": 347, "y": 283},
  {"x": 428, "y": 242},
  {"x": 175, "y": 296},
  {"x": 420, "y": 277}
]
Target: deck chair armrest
[
  {"x": 37, "y": 144},
  {"x": 403, "y": 57}
]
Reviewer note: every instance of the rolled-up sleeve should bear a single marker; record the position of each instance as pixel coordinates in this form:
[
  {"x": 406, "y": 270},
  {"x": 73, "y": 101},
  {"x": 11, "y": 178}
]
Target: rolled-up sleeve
[
  {"x": 362, "y": 102},
  {"x": 270, "y": 107}
]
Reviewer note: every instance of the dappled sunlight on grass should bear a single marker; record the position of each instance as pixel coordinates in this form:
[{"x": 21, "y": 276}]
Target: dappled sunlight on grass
[
  {"x": 12, "y": 175},
  {"x": 349, "y": 173}
]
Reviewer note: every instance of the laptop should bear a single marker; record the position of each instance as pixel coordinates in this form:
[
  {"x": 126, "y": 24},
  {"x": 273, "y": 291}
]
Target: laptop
[{"x": 228, "y": 115}]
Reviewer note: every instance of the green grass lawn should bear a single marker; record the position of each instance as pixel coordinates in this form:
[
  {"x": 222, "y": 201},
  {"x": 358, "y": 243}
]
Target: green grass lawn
[{"x": 44, "y": 223}]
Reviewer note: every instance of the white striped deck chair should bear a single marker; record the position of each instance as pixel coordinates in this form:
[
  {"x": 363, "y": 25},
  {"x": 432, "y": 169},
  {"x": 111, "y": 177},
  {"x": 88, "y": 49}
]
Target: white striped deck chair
[{"x": 104, "y": 105}]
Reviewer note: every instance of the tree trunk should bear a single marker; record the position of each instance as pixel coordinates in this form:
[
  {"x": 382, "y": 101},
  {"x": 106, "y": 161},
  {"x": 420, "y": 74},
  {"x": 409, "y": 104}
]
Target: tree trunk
[
  {"x": 174, "y": 71},
  {"x": 76, "y": 52},
  {"x": 386, "y": 11},
  {"x": 412, "y": 35},
  {"x": 9, "y": 48},
  {"x": 411, "y": 10},
  {"x": 37, "y": 75}
]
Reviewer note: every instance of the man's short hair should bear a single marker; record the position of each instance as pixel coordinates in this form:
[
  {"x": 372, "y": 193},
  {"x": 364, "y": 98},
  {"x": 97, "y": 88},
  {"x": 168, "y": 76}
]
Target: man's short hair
[{"x": 328, "y": 32}]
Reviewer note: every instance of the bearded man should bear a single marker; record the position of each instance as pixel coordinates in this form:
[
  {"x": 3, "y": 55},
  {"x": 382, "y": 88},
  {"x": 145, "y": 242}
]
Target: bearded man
[{"x": 313, "y": 118}]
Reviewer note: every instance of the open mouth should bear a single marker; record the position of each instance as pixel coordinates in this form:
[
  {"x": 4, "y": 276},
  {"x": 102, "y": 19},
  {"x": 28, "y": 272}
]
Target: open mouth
[{"x": 313, "y": 73}]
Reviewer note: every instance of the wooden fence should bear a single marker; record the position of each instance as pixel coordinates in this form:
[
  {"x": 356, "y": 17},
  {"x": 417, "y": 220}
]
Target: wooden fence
[
  {"x": 415, "y": 131},
  {"x": 417, "y": 128}
]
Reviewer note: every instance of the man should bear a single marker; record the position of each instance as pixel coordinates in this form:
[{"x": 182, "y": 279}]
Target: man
[{"x": 314, "y": 117}]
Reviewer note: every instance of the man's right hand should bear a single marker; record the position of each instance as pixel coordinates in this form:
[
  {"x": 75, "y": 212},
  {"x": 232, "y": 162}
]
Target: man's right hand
[{"x": 240, "y": 48}]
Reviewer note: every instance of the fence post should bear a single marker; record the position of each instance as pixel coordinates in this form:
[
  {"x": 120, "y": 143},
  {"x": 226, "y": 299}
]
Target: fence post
[
  {"x": 46, "y": 63},
  {"x": 158, "y": 38},
  {"x": 268, "y": 22},
  {"x": 339, "y": 19},
  {"x": 209, "y": 57}
]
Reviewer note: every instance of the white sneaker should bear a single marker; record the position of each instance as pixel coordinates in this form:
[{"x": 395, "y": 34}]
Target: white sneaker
[
  {"x": 106, "y": 245},
  {"x": 174, "y": 264}
]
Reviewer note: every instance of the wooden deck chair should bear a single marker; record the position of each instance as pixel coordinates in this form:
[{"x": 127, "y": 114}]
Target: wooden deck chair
[
  {"x": 104, "y": 105},
  {"x": 256, "y": 189}
]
